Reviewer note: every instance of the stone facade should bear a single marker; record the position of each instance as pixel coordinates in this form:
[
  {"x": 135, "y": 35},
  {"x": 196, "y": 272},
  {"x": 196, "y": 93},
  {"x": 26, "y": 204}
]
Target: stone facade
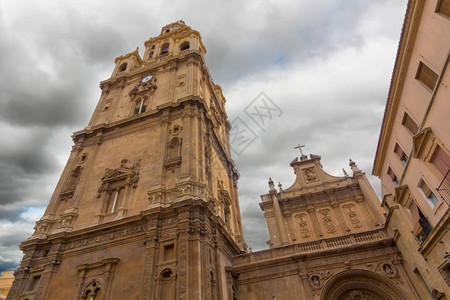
[
  {"x": 327, "y": 241},
  {"x": 147, "y": 206},
  {"x": 413, "y": 157}
]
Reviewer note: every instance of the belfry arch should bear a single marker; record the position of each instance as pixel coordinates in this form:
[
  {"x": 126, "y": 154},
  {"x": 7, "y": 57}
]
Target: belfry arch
[{"x": 360, "y": 284}]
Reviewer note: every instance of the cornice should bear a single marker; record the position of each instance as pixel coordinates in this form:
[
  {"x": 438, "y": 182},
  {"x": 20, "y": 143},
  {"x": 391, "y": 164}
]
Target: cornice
[{"x": 404, "y": 51}]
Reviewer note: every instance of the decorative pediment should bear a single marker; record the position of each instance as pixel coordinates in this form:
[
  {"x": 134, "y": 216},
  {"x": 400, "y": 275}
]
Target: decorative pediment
[{"x": 123, "y": 175}]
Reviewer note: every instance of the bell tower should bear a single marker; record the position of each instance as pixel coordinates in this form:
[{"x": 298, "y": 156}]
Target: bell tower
[{"x": 147, "y": 206}]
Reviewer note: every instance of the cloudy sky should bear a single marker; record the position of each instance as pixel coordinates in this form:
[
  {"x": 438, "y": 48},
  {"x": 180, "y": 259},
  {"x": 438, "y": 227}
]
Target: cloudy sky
[{"x": 325, "y": 65}]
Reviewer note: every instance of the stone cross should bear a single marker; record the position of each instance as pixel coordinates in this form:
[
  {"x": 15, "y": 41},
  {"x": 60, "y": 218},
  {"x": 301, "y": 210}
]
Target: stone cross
[{"x": 299, "y": 147}]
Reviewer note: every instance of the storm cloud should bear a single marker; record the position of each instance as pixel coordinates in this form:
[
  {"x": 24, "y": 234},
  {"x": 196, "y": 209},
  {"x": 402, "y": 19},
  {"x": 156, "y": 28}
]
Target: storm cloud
[{"x": 325, "y": 64}]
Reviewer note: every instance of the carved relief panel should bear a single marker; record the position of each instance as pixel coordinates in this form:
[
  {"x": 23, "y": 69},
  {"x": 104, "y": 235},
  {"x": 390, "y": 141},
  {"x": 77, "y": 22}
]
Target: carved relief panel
[
  {"x": 310, "y": 175},
  {"x": 327, "y": 220},
  {"x": 303, "y": 225},
  {"x": 352, "y": 215}
]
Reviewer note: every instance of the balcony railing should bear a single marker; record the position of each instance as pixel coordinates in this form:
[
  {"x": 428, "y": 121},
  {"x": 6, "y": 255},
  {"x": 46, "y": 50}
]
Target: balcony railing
[
  {"x": 444, "y": 188},
  {"x": 314, "y": 246}
]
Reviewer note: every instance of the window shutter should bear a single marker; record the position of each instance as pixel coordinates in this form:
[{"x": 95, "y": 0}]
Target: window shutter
[
  {"x": 427, "y": 76},
  {"x": 399, "y": 151},
  {"x": 410, "y": 124},
  {"x": 444, "y": 7},
  {"x": 391, "y": 173},
  {"x": 441, "y": 160}
]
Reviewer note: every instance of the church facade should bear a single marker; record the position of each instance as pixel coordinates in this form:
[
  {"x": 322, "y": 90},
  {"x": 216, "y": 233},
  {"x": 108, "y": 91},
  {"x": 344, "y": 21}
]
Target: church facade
[{"x": 147, "y": 205}]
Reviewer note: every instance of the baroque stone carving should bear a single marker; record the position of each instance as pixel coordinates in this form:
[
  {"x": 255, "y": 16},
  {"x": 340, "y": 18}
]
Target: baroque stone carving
[
  {"x": 127, "y": 175},
  {"x": 71, "y": 184},
  {"x": 155, "y": 197},
  {"x": 327, "y": 221},
  {"x": 352, "y": 216},
  {"x": 387, "y": 268},
  {"x": 143, "y": 88},
  {"x": 303, "y": 225},
  {"x": 104, "y": 237},
  {"x": 317, "y": 280},
  {"x": 310, "y": 174}
]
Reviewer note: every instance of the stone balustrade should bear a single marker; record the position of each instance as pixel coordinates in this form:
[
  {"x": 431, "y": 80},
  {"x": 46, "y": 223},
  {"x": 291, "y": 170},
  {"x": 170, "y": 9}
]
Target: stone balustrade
[{"x": 354, "y": 239}]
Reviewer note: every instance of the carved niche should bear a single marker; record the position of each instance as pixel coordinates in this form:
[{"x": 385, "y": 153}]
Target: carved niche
[
  {"x": 316, "y": 280},
  {"x": 173, "y": 153},
  {"x": 71, "y": 183},
  {"x": 224, "y": 200}
]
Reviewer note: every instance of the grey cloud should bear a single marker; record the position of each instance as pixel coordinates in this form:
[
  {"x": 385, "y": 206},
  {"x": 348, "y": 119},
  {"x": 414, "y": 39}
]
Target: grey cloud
[{"x": 54, "y": 57}]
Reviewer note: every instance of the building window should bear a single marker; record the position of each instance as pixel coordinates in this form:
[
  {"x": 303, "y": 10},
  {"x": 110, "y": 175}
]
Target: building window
[
  {"x": 400, "y": 153},
  {"x": 426, "y": 76},
  {"x": 184, "y": 46},
  {"x": 441, "y": 160},
  {"x": 416, "y": 271},
  {"x": 443, "y": 7},
  {"x": 92, "y": 291},
  {"x": 429, "y": 195},
  {"x": 140, "y": 107},
  {"x": 409, "y": 123},
  {"x": 34, "y": 283},
  {"x": 393, "y": 176},
  {"x": 164, "y": 49},
  {"x": 169, "y": 252},
  {"x": 115, "y": 200},
  {"x": 123, "y": 67}
]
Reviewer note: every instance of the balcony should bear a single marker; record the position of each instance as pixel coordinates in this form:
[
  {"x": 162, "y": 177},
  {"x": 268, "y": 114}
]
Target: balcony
[
  {"x": 444, "y": 188},
  {"x": 314, "y": 247}
]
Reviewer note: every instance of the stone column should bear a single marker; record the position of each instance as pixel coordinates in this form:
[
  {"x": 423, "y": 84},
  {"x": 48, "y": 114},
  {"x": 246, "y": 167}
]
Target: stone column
[
  {"x": 317, "y": 229},
  {"x": 291, "y": 234},
  {"x": 151, "y": 245},
  {"x": 337, "y": 210}
]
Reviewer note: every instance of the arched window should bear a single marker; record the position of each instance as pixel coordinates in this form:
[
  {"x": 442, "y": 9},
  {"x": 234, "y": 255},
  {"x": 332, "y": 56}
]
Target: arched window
[
  {"x": 92, "y": 291},
  {"x": 184, "y": 46},
  {"x": 123, "y": 67},
  {"x": 167, "y": 284},
  {"x": 164, "y": 49}
]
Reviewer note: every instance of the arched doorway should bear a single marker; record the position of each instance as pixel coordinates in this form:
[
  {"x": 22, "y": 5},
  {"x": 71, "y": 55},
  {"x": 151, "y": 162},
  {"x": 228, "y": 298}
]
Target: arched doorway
[{"x": 360, "y": 285}]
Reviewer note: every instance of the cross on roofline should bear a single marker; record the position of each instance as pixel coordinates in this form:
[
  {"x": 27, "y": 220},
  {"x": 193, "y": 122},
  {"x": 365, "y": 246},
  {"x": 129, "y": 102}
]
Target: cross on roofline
[
  {"x": 302, "y": 156},
  {"x": 299, "y": 147}
]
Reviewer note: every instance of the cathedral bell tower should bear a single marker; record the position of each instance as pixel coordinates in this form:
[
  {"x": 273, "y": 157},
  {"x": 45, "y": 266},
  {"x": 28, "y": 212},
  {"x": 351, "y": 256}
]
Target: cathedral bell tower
[{"x": 147, "y": 206}]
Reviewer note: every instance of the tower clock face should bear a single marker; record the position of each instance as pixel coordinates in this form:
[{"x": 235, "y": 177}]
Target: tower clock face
[{"x": 146, "y": 78}]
